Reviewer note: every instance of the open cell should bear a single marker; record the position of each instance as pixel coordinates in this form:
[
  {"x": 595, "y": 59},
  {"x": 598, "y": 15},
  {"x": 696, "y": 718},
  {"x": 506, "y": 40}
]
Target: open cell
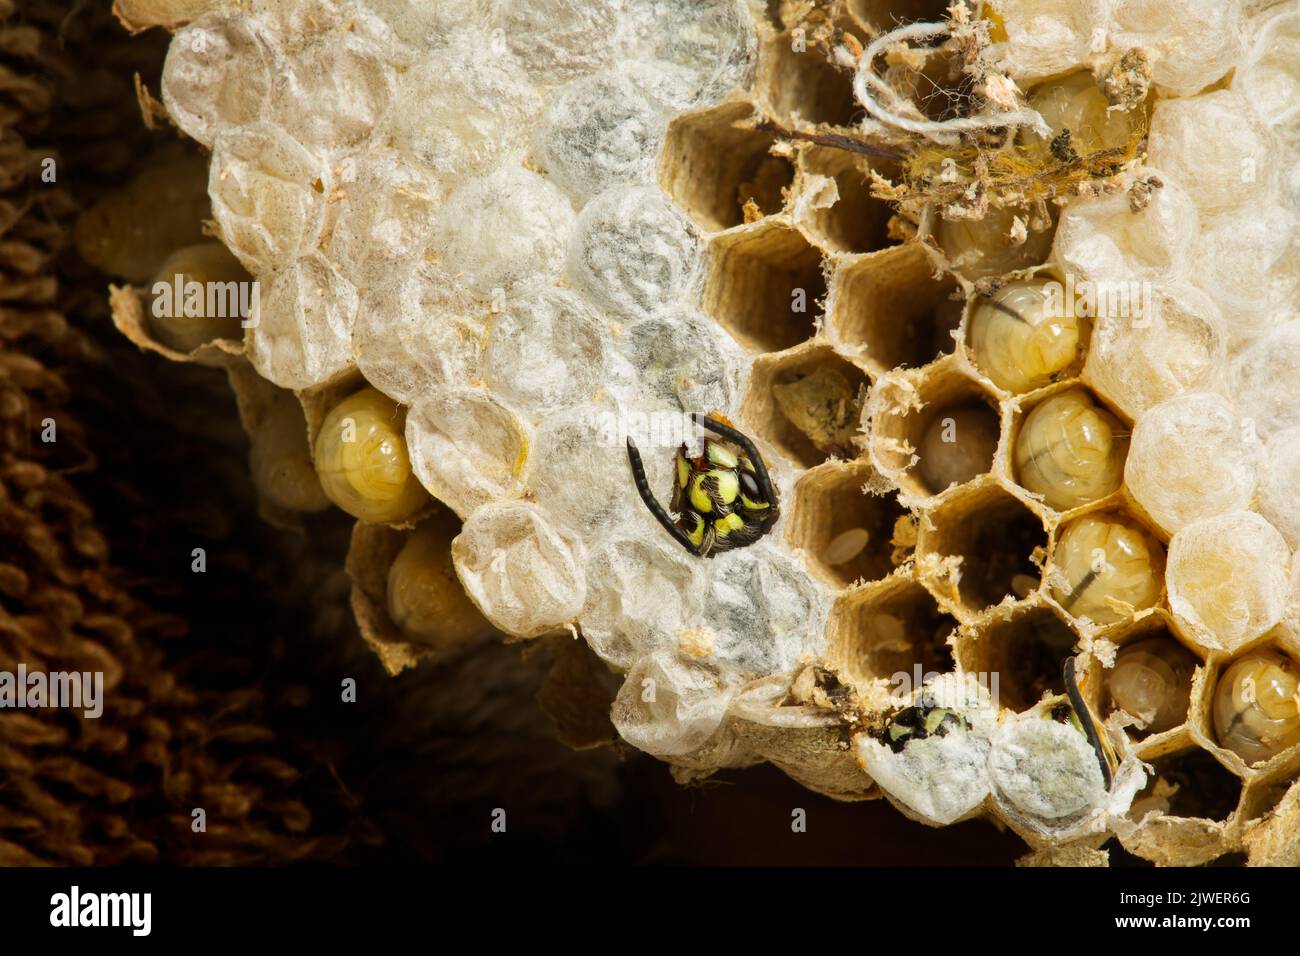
[
  {"x": 950, "y": 439},
  {"x": 808, "y": 403},
  {"x": 1151, "y": 680},
  {"x": 1189, "y": 783},
  {"x": 1026, "y": 653},
  {"x": 997, "y": 539},
  {"x": 715, "y": 168},
  {"x": 847, "y": 534},
  {"x": 891, "y": 632},
  {"x": 883, "y": 15},
  {"x": 765, "y": 286},
  {"x": 894, "y": 307},
  {"x": 802, "y": 85},
  {"x": 856, "y": 221}
]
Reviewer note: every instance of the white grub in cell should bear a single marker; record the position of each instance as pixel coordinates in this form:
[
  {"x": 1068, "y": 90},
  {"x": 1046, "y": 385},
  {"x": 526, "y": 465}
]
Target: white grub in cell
[
  {"x": 1070, "y": 451},
  {"x": 1104, "y": 564},
  {"x": 845, "y": 546},
  {"x": 958, "y": 445},
  {"x": 1025, "y": 333},
  {"x": 1152, "y": 681},
  {"x": 1255, "y": 706}
]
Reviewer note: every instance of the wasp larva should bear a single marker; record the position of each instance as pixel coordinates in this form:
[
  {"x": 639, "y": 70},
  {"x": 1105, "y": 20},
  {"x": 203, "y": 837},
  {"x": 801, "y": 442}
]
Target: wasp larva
[
  {"x": 1080, "y": 116},
  {"x": 1152, "y": 680},
  {"x": 197, "y": 297},
  {"x": 958, "y": 445},
  {"x": 1255, "y": 706},
  {"x": 281, "y": 458},
  {"x": 1070, "y": 451},
  {"x": 1103, "y": 564},
  {"x": 980, "y": 248},
  {"x": 362, "y": 461},
  {"x": 425, "y": 598},
  {"x": 1025, "y": 333}
]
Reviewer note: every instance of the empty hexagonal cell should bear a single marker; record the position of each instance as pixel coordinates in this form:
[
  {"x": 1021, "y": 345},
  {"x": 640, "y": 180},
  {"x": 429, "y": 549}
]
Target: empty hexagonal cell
[
  {"x": 893, "y": 307},
  {"x": 1189, "y": 783},
  {"x": 1026, "y": 655},
  {"x": 807, "y": 402},
  {"x": 713, "y": 169},
  {"x": 895, "y": 631},
  {"x": 765, "y": 285},
  {"x": 846, "y": 533},
  {"x": 997, "y": 539},
  {"x": 801, "y": 84},
  {"x": 856, "y": 221},
  {"x": 1151, "y": 679}
]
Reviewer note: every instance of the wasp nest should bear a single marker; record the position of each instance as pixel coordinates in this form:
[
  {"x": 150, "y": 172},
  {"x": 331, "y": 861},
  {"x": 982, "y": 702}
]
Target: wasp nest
[{"x": 1002, "y": 292}]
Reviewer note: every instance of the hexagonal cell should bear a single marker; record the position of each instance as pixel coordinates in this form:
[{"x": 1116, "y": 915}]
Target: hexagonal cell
[
  {"x": 1189, "y": 783},
  {"x": 846, "y": 533},
  {"x": 765, "y": 285},
  {"x": 1068, "y": 447},
  {"x": 893, "y": 307},
  {"x": 890, "y": 631},
  {"x": 953, "y": 435},
  {"x": 800, "y": 83},
  {"x": 807, "y": 402},
  {"x": 1254, "y": 705},
  {"x": 712, "y": 168},
  {"x": 1151, "y": 679},
  {"x": 857, "y": 221},
  {"x": 995, "y": 536},
  {"x": 1026, "y": 653}
]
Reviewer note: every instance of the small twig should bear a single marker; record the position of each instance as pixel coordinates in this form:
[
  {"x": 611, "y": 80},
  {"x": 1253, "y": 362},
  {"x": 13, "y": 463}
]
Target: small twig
[{"x": 833, "y": 140}]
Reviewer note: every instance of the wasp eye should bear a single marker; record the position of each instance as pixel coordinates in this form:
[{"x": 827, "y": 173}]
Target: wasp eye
[{"x": 748, "y": 486}]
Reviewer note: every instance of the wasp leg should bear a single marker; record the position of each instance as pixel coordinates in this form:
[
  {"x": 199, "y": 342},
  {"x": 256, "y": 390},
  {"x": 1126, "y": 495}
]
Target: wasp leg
[
  {"x": 748, "y": 447},
  {"x": 1085, "y": 718},
  {"x": 651, "y": 502}
]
